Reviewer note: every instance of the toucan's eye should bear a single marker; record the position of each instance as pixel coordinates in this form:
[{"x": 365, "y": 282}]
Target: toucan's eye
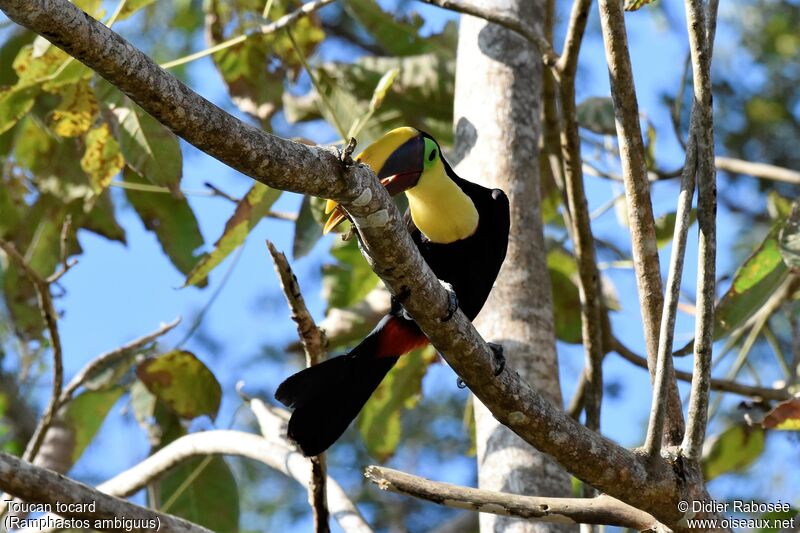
[{"x": 432, "y": 156}]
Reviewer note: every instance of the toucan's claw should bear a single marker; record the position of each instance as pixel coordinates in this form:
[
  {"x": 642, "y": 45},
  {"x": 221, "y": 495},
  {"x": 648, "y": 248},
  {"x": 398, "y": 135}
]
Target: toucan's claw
[
  {"x": 460, "y": 383},
  {"x": 499, "y": 358},
  {"x": 452, "y": 304}
]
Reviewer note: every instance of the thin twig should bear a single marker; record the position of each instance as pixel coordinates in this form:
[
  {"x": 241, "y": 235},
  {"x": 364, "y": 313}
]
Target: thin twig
[
  {"x": 102, "y": 361},
  {"x": 661, "y": 385},
  {"x": 706, "y": 217},
  {"x": 312, "y": 337},
  {"x": 637, "y": 192},
  {"x": 34, "y": 484},
  {"x": 722, "y": 385},
  {"x": 549, "y": 57},
  {"x": 794, "y": 330},
  {"x": 314, "y": 342},
  {"x": 265, "y": 29},
  {"x": 50, "y": 318},
  {"x": 599, "y": 510},
  {"x": 592, "y": 307}
]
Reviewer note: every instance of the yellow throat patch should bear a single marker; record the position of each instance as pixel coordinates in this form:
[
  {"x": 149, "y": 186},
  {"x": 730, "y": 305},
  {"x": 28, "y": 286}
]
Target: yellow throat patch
[{"x": 439, "y": 208}]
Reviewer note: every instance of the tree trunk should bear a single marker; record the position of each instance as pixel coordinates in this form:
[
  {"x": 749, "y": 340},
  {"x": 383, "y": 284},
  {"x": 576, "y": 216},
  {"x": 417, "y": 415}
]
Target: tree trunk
[{"x": 497, "y": 113}]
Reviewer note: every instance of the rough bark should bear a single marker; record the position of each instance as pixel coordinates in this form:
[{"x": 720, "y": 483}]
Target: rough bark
[{"x": 498, "y": 90}]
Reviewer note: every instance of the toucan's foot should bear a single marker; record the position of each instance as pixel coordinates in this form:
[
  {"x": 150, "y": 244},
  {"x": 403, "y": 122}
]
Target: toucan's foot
[
  {"x": 452, "y": 304},
  {"x": 499, "y": 358},
  {"x": 460, "y": 383}
]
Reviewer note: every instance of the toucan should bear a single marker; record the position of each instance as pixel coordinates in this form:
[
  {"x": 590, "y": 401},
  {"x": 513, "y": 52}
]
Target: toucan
[{"x": 461, "y": 229}]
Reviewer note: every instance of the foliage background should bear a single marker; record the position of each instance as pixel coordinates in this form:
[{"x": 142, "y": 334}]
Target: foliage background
[{"x": 128, "y": 276}]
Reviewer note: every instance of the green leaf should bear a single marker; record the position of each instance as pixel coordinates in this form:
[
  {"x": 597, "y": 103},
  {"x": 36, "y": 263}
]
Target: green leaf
[
  {"x": 398, "y": 36},
  {"x": 733, "y": 451},
  {"x": 379, "y": 422},
  {"x": 15, "y": 104},
  {"x": 597, "y": 114},
  {"x": 307, "y": 228},
  {"x": 148, "y": 146},
  {"x": 256, "y": 69},
  {"x": 204, "y": 491},
  {"x": 779, "y": 520},
  {"x": 249, "y": 211},
  {"x": 38, "y": 237},
  {"x": 14, "y": 41},
  {"x": 566, "y": 297},
  {"x": 753, "y": 284},
  {"x": 665, "y": 227},
  {"x": 789, "y": 238},
  {"x": 171, "y": 219},
  {"x": 421, "y": 95},
  {"x": 348, "y": 280},
  {"x": 784, "y": 416},
  {"x": 84, "y": 415},
  {"x": 101, "y": 220},
  {"x": 182, "y": 382}
]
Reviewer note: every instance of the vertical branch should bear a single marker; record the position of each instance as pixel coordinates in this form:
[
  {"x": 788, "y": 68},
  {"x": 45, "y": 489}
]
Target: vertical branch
[
  {"x": 314, "y": 342},
  {"x": 700, "y": 124},
  {"x": 637, "y": 193},
  {"x": 658, "y": 407},
  {"x": 581, "y": 230},
  {"x": 49, "y": 315},
  {"x": 699, "y": 33}
]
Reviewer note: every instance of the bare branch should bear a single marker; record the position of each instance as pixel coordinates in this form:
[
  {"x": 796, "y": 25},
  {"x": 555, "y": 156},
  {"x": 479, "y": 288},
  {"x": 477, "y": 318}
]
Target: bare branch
[
  {"x": 706, "y": 217},
  {"x": 34, "y": 484},
  {"x": 549, "y": 57},
  {"x": 311, "y": 336},
  {"x": 568, "y": 62},
  {"x": 108, "y": 358},
  {"x": 757, "y": 170},
  {"x": 722, "y": 385},
  {"x": 599, "y": 510},
  {"x": 637, "y": 193},
  {"x": 50, "y": 317},
  {"x": 314, "y": 342},
  {"x": 662, "y": 383},
  {"x": 593, "y": 314}
]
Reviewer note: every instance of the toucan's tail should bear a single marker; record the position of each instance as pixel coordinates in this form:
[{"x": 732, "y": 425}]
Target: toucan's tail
[{"x": 328, "y": 396}]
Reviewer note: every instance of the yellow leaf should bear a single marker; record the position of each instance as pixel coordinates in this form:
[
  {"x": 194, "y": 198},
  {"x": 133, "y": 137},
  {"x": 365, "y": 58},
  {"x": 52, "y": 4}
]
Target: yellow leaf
[
  {"x": 76, "y": 112},
  {"x": 382, "y": 88},
  {"x": 102, "y": 159}
]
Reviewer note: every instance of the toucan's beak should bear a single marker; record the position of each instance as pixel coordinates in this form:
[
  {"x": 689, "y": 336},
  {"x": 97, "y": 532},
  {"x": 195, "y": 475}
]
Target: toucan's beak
[{"x": 397, "y": 160}]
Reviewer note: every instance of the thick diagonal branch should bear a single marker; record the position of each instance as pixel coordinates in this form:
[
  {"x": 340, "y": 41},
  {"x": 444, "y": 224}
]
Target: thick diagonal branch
[{"x": 392, "y": 255}]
